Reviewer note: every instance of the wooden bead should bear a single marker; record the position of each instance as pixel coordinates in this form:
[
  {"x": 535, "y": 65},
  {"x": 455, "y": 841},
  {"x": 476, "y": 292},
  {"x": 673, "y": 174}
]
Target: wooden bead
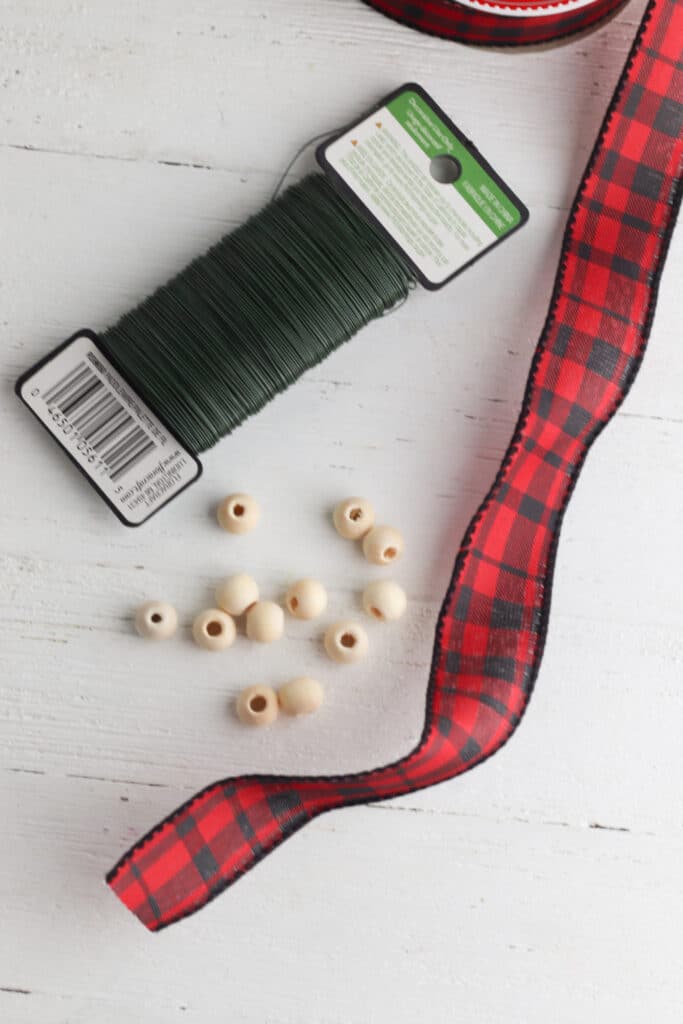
[
  {"x": 257, "y": 705},
  {"x": 236, "y": 594},
  {"x": 300, "y": 696},
  {"x": 213, "y": 630},
  {"x": 265, "y": 622},
  {"x": 239, "y": 513},
  {"x": 383, "y": 545},
  {"x": 156, "y": 620},
  {"x": 346, "y": 642},
  {"x": 384, "y": 600},
  {"x": 353, "y": 517},
  {"x": 306, "y": 599}
]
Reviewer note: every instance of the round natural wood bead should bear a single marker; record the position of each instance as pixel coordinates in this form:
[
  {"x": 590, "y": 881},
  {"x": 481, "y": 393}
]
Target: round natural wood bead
[
  {"x": 265, "y": 622},
  {"x": 384, "y": 600},
  {"x": 306, "y": 599},
  {"x": 257, "y": 705},
  {"x": 383, "y": 545},
  {"x": 156, "y": 620},
  {"x": 239, "y": 513},
  {"x": 236, "y": 594},
  {"x": 346, "y": 642},
  {"x": 300, "y": 696},
  {"x": 353, "y": 517},
  {"x": 213, "y": 630}
]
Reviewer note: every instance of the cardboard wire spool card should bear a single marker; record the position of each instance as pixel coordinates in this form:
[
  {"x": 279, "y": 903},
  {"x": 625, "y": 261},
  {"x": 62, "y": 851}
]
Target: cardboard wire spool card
[{"x": 134, "y": 406}]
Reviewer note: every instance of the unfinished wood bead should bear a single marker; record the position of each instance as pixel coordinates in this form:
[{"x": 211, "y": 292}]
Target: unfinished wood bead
[
  {"x": 239, "y": 513},
  {"x": 213, "y": 630},
  {"x": 306, "y": 599},
  {"x": 384, "y": 600},
  {"x": 156, "y": 620},
  {"x": 236, "y": 594},
  {"x": 346, "y": 642},
  {"x": 383, "y": 545},
  {"x": 265, "y": 622},
  {"x": 353, "y": 517},
  {"x": 257, "y": 705},
  {"x": 300, "y": 696}
]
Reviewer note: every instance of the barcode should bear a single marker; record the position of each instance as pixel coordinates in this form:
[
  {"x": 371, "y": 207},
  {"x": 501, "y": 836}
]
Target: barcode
[{"x": 100, "y": 420}]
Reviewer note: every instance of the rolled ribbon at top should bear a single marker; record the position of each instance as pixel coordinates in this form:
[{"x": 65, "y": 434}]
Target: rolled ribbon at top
[{"x": 503, "y": 23}]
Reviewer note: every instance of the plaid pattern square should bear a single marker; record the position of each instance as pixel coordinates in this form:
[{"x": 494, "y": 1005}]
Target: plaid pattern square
[{"x": 491, "y": 630}]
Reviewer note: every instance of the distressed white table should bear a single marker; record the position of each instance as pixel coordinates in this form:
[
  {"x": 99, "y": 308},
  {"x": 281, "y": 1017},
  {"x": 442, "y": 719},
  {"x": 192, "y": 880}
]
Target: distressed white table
[{"x": 545, "y": 885}]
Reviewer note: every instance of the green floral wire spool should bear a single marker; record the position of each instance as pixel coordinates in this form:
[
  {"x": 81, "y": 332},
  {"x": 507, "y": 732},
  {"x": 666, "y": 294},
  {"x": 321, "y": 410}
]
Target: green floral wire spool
[{"x": 244, "y": 321}]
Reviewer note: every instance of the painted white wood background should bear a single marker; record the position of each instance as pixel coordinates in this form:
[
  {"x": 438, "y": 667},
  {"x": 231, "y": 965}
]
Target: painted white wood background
[{"x": 544, "y": 886}]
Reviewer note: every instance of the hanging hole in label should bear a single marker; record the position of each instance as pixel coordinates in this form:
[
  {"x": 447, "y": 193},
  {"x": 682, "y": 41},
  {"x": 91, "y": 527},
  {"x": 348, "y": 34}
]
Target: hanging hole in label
[{"x": 445, "y": 169}]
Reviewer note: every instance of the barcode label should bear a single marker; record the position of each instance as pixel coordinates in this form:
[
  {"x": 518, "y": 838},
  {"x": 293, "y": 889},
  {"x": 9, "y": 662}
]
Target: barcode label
[{"x": 128, "y": 455}]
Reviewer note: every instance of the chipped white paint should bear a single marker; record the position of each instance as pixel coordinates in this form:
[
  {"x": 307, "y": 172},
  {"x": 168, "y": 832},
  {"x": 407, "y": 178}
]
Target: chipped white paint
[{"x": 545, "y": 885}]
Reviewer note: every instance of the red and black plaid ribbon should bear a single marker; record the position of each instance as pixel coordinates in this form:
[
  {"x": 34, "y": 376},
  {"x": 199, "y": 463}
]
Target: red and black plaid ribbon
[
  {"x": 491, "y": 629},
  {"x": 483, "y": 25}
]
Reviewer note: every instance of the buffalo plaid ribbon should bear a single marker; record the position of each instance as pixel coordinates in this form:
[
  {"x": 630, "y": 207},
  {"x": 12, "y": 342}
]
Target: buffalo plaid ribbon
[
  {"x": 483, "y": 25},
  {"x": 491, "y": 629}
]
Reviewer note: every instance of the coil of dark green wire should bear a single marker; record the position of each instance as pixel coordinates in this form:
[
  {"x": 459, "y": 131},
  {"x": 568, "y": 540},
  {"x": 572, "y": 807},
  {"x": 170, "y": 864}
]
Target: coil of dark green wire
[{"x": 244, "y": 321}]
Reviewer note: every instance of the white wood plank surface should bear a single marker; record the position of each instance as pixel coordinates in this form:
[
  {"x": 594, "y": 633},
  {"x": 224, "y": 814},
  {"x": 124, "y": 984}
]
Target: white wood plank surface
[{"x": 545, "y": 885}]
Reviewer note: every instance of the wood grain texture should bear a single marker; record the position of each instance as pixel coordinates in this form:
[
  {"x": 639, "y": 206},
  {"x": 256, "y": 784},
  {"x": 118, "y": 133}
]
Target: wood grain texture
[{"x": 544, "y": 886}]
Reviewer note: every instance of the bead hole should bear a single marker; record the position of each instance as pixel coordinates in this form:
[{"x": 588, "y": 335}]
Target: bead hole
[
  {"x": 238, "y": 510},
  {"x": 294, "y": 603},
  {"x": 377, "y": 613},
  {"x": 348, "y": 640},
  {"x": 156, "y": 617},
  {"x": 355, "y": 514},
  {"x": 388, "y": 554},
  {"x": 214, "y": 628},
  {"x": 258, "y": 704}
]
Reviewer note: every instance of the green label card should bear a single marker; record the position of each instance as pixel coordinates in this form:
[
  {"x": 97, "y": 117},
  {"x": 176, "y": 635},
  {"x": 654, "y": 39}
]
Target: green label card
[{"x": 424, "y": 184}]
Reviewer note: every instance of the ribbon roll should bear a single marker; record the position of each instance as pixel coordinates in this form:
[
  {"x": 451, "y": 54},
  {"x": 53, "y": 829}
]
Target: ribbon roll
[
  {"x": 499, "y": 23},
  {"x": 492, "y": 625}
]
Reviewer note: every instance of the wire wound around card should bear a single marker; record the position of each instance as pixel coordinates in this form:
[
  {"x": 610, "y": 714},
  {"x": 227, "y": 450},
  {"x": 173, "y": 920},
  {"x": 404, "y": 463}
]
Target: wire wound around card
[{"x": 244, "y": 321}]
